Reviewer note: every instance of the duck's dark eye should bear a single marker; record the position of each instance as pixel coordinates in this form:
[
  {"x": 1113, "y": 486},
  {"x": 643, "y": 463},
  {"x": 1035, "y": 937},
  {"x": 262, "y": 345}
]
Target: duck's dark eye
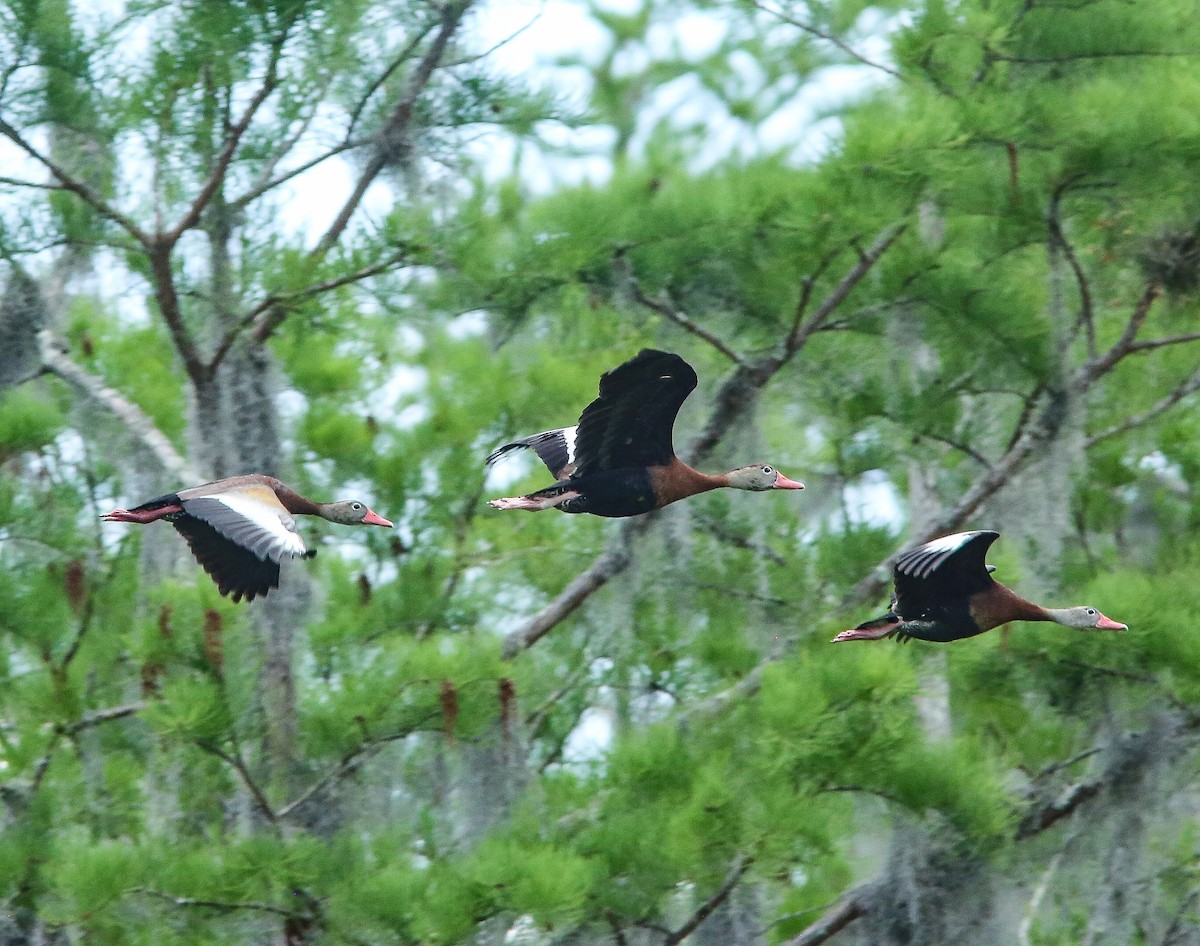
[
  {"x": 1091, "y": 612},
  {"x": 768, "y": 470},
  {"x": 356, "y": 506}
]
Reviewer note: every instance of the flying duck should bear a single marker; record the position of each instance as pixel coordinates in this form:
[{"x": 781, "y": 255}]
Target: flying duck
[
  {"x": 945, "y": 592},
  {"x": 619, "y": 459},
  {"x": 241, "y": 528}
]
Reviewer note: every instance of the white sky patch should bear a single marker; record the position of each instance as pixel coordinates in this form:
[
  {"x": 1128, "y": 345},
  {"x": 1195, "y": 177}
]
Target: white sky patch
[
  {"x": 873, "y": 500},
  {"x": 591, "y": 737}
]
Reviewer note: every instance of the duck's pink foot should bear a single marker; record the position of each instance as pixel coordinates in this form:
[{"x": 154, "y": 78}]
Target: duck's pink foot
[
  {"x": 868, "y": 633},
  {"x": 141, "y": 516},
  {"x": 531, "y": 503}
]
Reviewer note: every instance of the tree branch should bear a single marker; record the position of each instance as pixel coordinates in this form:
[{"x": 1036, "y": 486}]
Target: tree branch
[
  {"x": 1096, "y": 367},
  {"x": 238, "y": 764},
  {"x": 851, "y": 907},
  {"x": 223, "y": 906},
  {"x": 1189, "y": 386},
  {"x": 828, "y": 37},
  {"x": 610, "y": 563},
  {"x": 135, "y": 420},
  {"x": 397, "y": 127},
  {"x": 1058, "y": 238},
  {"x": 1154, "y": 343},
  {"x": 71, "y": 183},
  {"x": 221, "y": 167},
  {"x": 804, "y": 329},
  {"x": 741, "y": 864},
  {"x": 103, "y": 716},
  {"x": 271, "y": 311},
  {"x": 664, "y": 307},
  {"x": 387, "y": 73}
]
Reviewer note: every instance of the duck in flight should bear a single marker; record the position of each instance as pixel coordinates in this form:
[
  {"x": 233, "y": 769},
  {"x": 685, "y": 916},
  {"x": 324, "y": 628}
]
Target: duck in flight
[
  {"x": 619, "y": 460},
  {"x": 945, "y": 592},
  {"x": 241, "y": 528}
]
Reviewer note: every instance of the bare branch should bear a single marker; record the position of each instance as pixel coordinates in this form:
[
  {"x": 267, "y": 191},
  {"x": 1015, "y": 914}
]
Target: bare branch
[
  {"x": 664, "y": 307},
  {"x": 17, "y": 182},
  {"x": 167, "y": 297},
  {"x": 1155, "y": 343},
  {"x": 1189, "y": 386},
  {"x": 223, "y": 906},
  {"x": 851, "y": 907},
  {"x": 828, "y": 37},
  {"x": 263, "y": 185},
  {"x": 401, "y": 59},
  {"x": 741, "y": 864},
  {"x": 1038, "y": 820},
  {"x": 397, "y": 127},
  {"x": 349, "y": 763},
  {"x": 1096, "y": 367},
  {"x": 217, "y": 177},
  {"x": 71, "y": 183},
  {"x": 614, "y": 923},
  {"x": 238, "y": 764},
  {"x": 607, "y": 566},
  {"x": 135, "y": 420},
  {"x": 866, "y": 261},
  {"x": 1058, "y": 238},
  {"x": 103, "y": 716},
  {"x": 270, "y": 313}
]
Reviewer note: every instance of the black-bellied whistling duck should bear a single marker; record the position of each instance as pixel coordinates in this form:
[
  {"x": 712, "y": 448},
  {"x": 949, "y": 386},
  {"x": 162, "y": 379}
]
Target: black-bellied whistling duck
[
  {"x": 945, "y": 592},
  {"x": 241, "y": 528},
  {"x": 619, "y": 460}
]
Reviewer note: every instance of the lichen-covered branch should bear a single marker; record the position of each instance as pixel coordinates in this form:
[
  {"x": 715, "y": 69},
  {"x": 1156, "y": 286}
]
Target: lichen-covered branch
[{"x": 133, "y": 418}]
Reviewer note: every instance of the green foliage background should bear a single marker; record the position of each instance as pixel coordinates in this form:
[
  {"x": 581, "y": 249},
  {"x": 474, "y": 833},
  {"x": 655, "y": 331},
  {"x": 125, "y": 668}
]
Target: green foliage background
[{"x": 427, "y": 781}]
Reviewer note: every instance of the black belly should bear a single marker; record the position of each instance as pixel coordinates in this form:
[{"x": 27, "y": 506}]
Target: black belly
[
  {"x": 941, "y": 621},
  {"x": 614, "y": 494}
]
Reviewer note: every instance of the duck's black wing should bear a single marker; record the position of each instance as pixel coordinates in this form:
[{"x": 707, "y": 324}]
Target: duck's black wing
[
  {"x": 630, "y": 424},
  {"x": 951, "y": 567},
  {"x": 555, "y": 448}
]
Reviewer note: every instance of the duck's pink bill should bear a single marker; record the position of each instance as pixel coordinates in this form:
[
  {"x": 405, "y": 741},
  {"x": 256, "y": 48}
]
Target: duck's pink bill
[
  {"x": 374, "y": 519},
  {"x": 1108, "y": 624},
  {"x": 782, "y": 482}
]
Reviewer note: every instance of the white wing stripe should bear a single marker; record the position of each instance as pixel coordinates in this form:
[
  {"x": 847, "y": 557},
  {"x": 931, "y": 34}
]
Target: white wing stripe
[{"x": 281, "y": 537}]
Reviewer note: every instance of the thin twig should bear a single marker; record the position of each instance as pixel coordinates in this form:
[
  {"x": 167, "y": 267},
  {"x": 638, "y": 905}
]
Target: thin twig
[
  {"x": 866, "y": 261},
  {"x": 828, "y": 37},
  {"x": 271, "y": 311},
  {"x": 73, "y": 184},
  {"x": 1058, "y": 237},
  {"x": 238, "y": 764},
  {"x": 1189, "y": 386},
  {"x": 224, "y": 906},
  {"x": 664, "y": 307},
  {"x": 737, "y": 870},
  {"x": 99, "y": 717}
]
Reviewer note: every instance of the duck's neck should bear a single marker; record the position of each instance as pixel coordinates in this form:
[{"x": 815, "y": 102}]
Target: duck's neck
[
  {"x": 298, "y": 505},
  {"x": 1057, "y": 615}
]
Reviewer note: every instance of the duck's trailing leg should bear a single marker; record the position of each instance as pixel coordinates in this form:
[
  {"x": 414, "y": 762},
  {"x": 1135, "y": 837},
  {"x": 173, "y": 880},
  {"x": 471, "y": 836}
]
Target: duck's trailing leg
[
  {"x": 140, "y": 515},
  {"x": 534, "y": 503},
  {"x": 870, "y": 631}
]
